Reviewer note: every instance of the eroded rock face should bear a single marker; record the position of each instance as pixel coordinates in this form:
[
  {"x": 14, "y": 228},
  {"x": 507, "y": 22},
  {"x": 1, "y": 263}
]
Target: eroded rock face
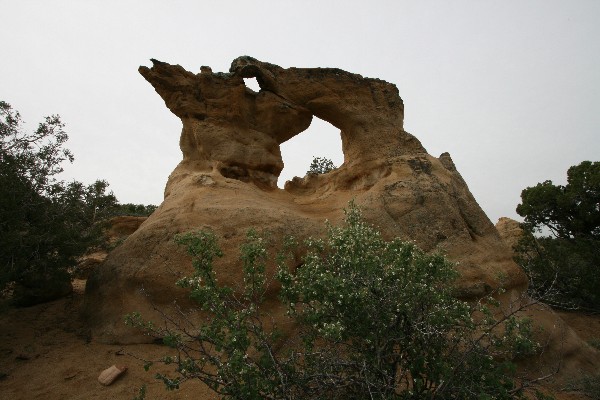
[
  {"x": 227, "y": 127},
  {"x": 510, "y": 231},
  {"x": 227, "y": 182}
]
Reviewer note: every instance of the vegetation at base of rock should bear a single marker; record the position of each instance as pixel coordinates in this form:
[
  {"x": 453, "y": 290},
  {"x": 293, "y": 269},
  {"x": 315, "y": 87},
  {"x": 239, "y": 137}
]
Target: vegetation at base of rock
[
  {"x": 141, "y": 393},
  {"x": 45, "y": 224},
  {"x": 369, "y": 318},
  {"x": 563, "y": 272},
  {"x": 320, "y": 165},
  {"x": 564, "y": 264}
]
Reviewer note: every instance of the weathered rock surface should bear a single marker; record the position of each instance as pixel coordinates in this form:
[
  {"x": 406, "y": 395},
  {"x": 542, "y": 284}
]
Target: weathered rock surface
[
  {"x": 227, "y": 182},
  {"x": 122, "y": 226},
  {"x": 510, "y": 231}
]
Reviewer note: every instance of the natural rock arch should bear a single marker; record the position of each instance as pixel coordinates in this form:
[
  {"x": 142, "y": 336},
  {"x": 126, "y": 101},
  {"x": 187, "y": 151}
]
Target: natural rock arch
[
  {"x": 238, "y": 131},
  {"x": 226, "y": 182},
  {"x": 252, "y": 84}
]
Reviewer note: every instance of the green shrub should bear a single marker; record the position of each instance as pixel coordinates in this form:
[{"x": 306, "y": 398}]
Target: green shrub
[{"x": 372, "y": 319}]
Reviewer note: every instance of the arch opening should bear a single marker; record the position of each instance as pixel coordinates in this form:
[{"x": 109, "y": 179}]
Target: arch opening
[
  {"x": 252, "y": 84},
  {"x": 321, "y": 139}
]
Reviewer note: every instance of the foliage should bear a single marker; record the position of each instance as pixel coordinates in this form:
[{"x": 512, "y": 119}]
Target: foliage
[
  {"x": 564, "y": 265},
  {"x": 141, "y": 393},
  {"x": 320, "y": 165},
  {"x": 562, "y": 272},
  {"x": 45, "y": 224},
  {"x": 371, "y": 319},
  {"x": 569, "y": 212},
  {"x": 136, "y": 210}
]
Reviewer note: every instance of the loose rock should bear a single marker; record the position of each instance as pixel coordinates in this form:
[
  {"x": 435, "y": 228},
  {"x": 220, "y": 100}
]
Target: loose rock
[{"x": 109, "y": 375}]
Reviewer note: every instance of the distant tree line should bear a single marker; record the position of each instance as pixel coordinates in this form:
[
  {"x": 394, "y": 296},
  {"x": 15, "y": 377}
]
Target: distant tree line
[{"x": 136, "y": 210}]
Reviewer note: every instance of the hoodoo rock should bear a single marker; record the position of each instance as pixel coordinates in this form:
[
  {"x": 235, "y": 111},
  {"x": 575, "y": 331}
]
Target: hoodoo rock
[{"x": 226, "y": 182}]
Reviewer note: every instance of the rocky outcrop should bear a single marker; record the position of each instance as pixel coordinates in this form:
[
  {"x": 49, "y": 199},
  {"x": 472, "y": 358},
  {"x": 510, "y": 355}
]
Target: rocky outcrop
[
  {"x": 122, "y": 226},
  {"x": 510, "y": 231},
  {"x": 231, "y": 129},
  {"x": 227, "y": 182}
]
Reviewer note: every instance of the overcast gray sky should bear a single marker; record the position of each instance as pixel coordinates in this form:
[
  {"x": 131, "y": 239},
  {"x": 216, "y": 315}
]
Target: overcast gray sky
[{"x": 511, "y": 89}]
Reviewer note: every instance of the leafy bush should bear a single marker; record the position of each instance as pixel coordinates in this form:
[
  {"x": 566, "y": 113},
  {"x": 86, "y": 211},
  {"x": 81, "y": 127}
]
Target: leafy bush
[
  {"x": 371, "y": 319},
  {"x": 320, "y": 165},
  {"x": 562, "y": 272}
]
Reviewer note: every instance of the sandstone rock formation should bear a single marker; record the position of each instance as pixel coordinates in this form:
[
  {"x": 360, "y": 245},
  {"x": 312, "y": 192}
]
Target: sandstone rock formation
[
  {"x": 227, "y": 182},
  {"x": 122, "y": 226},
  {"x": 510, "y": 231}
]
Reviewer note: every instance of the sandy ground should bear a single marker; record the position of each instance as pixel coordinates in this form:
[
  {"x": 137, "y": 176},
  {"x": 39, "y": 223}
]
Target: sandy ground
[{"x": 46, "y": 353}]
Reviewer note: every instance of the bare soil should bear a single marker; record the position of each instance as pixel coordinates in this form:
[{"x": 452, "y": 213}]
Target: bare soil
[{"x": 46, "y": 353}]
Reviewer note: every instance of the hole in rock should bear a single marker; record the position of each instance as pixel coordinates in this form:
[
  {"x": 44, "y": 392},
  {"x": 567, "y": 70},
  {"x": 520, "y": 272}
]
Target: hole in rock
[
  {"x": 321, "y": 139},
  {"x": 252, "y": 84}
]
